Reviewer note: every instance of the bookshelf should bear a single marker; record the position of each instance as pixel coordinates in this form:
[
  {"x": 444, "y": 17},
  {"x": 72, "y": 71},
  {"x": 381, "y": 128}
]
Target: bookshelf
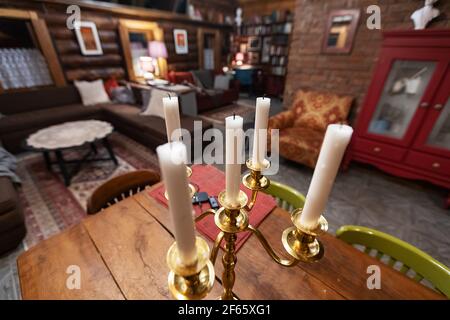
[{"x": 265, "y": 40}]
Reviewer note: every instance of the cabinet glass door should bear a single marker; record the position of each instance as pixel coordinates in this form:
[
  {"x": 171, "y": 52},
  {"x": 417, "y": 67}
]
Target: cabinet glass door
[
  {"x": 440, "y": 135},
  {"x": 401, "y": 96}
]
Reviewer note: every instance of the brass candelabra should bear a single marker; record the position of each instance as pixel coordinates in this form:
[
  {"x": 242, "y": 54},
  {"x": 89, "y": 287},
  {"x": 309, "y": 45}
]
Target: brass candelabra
[{"x": 194, "y": 282}]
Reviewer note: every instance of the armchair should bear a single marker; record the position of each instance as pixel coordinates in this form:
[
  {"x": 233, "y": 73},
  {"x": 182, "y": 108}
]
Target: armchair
[{"x": 302, "y": 128}]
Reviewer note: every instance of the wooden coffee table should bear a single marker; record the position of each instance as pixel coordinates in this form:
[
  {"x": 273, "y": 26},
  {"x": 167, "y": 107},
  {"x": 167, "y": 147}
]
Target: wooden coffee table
[
  {"x": 70, "y": 135},
  {"x": 121, "y": 253}
]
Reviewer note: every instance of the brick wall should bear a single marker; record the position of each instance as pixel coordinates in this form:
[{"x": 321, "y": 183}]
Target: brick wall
[{"x": 351, "y": 73}]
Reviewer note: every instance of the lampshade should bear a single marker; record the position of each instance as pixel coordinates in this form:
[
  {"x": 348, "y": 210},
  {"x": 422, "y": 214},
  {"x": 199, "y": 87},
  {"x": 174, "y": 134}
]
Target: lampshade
[
  {"x": 146, "y": 64},
  {"x": 157, "y": 49},
  {"x": 239, "y": 56}
]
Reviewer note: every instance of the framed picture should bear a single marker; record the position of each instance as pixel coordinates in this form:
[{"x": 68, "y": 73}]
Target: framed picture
[
  {"x": 88, "y": 39},
  {"x": 340, "y": 31},
  {"x": 181, "y": 41},
  {"x": 265, "y": 52},
  {"x": 254, "y": 44}
]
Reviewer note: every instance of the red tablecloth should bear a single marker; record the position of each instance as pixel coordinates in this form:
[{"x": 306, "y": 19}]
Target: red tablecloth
[{"x": 211, "y": 180}]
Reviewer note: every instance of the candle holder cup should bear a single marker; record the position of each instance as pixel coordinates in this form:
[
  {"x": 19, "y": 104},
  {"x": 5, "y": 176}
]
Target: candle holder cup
[
  {"x": 191, "y": 282},
  {"x": 301, "y": 242},
  {"x": 232, "y": 218}
]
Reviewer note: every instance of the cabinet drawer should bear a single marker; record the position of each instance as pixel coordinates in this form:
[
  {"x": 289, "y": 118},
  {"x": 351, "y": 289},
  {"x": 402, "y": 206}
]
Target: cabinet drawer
[
  {"x": 428, "y": 162},
  {"x": 380, "y": 150}
]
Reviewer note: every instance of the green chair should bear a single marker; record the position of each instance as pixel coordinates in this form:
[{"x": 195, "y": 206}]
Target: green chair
[
  {"x": 408, "y": 256},
  {"x": 287, "y": 198}
]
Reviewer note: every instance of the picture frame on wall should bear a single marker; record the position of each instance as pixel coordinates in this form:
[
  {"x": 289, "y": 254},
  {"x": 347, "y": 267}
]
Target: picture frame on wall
[
  {"x": 254, "y": 44},
  {"x": 88, "y": 38},
  {"x": 340, "y": 31},
  {"x": 181, "y": 41}
]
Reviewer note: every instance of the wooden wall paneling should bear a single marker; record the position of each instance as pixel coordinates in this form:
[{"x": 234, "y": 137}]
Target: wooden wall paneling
[
  {"x": 48, "y": 51},
  {"x": 107, "y": 18},
  {"x": 87, "y": 67},
  {"x": 94, "y": 73},
  {"x": 80, "y": 60},
  {"x": 128, "y": 12},
  {"x": 181, "y": 62},
  {"x": 64, "y": 33},
  {"x": 71, "y": 47},
  {"x": 102, "y": 22}
]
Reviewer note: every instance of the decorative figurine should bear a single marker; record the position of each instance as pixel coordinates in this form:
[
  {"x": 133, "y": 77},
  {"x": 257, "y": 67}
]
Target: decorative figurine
[
  {"x": 238, "y": 18},
  {"x": 423, "y": 16}
]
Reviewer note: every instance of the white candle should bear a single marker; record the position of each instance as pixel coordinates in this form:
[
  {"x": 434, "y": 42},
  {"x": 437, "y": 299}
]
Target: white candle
[
  {"x": 172, "y": 116},
  {"x": 234, "y": 136},
  {"x": 260, "y": 136},
  {"x": 334, "y": 144},
  {"x": 172, "y": 160}
]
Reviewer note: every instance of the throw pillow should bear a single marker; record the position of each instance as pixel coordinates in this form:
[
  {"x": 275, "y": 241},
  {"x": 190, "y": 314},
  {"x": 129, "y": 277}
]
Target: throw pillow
[
  {"x": 205, "y": 77},
  {"x": 155, "y": 105},
  {"x": 122, "y": 95},
  {"x": 92, "y": 92},
  {"x": 111, "y": 84},
  {"x": 221, "y": 82},
  {"x": 316, "y": 110}
]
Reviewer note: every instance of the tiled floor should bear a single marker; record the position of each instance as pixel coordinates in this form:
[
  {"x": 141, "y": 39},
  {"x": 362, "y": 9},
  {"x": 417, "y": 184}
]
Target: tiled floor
[{"x": 365, "y": 196}]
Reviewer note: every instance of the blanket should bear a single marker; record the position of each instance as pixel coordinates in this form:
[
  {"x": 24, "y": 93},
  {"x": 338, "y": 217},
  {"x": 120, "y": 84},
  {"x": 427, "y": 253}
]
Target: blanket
[{"x": 8, "y": 165}]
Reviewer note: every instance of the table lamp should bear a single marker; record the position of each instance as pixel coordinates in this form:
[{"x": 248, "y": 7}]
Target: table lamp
[
  {"x": 146, "y": 64},
  {"x": 157, "y": 50},
  {"x": 239, "y": 58}
]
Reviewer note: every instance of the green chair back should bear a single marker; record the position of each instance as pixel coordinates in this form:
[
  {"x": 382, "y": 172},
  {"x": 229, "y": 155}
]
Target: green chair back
[
  {"x": 287, "y": 198},
  {"x": 401, "y": 253}
]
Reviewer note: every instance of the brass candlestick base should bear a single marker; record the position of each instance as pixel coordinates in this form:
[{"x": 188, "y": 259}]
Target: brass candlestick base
[
  {"x": 254, "y": 180},
  {"x": 190, "y": 282},
  {"x": 192, "y": 189},
  {"x": 300, "y": 242},
  {"x": 232, "y": 218}
]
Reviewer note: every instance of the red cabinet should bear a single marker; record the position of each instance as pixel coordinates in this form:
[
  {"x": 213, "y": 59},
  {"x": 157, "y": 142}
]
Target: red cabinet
[{"x": 404, "y": 125}]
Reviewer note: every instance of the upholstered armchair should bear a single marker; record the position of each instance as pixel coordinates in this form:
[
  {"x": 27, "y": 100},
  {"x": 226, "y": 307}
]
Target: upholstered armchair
[{"x": 302, "y": 127}]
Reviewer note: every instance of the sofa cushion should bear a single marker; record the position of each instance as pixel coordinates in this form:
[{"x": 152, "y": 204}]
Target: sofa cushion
[
  {"x": 301, "y": 144},
  {"x": 206, "y": 78},
  {"x": 316, "y": 110},
  {"x": 8, "y": 196},
  {"x": 155, "y": 106},
  {"x": 180, "y": 77},
  {"x": 221, "y": 82},
  {"x": 92, "y": 92},
  {"x": 132, "y": 116},
  {"x": 45, "y": 117},
  {"x": 43, "y": 98}
]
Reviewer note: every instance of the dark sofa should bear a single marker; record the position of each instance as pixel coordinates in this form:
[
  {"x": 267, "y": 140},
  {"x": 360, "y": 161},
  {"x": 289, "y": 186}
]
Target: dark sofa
[
  {"x": 12, "y": 223},
  {"x": 25, "y": 112},
  {"x": 209, "y": 99}
]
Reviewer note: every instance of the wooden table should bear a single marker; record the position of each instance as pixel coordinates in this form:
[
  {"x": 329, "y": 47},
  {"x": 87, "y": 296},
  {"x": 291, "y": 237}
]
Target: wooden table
[{"x": 121, "y": 253}]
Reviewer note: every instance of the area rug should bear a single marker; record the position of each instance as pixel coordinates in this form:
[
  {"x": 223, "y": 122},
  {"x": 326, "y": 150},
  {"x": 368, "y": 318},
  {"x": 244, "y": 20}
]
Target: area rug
[
  {"x": 51, "y": 207},
  {"x": 218, "y": 115}
]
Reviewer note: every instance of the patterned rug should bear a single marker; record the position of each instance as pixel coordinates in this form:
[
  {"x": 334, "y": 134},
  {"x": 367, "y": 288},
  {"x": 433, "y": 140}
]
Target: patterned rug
[
  {"x": 217, "y": 116},
  {"x": 51, "y": 207}
]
